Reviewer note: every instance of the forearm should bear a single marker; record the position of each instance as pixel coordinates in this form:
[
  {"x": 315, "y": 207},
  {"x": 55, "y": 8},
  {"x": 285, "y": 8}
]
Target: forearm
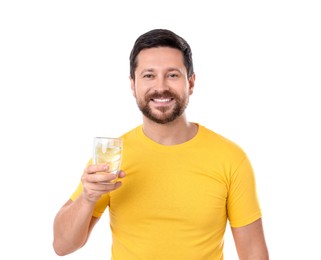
[
  {"x": 74, "y": 222},
  {"x": 72, "y": 226}
]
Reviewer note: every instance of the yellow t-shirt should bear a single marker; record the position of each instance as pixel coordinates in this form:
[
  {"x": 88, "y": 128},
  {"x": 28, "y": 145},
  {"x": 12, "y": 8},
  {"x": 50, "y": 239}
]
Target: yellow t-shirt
[{"x": 175, "y": 200}]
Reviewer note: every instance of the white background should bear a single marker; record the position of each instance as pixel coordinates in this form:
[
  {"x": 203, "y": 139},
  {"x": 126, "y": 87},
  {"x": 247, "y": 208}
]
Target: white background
[{"x": 64, "y": 79}]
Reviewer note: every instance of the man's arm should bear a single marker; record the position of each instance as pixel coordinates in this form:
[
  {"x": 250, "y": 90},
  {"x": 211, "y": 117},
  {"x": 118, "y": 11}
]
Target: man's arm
[
  {"x": 250, "y": 242},
  {"x": 72, "y": 226},
  {"x": 74, "y": 221}
]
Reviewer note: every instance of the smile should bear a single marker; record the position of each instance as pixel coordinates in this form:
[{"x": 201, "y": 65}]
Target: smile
[{"x": 162, "y": 100}]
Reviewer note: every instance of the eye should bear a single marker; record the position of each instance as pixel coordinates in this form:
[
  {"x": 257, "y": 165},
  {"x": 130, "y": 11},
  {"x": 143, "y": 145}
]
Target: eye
[
  {"x": 173, "y": 75},
  {"x": 148, "y": 76}
]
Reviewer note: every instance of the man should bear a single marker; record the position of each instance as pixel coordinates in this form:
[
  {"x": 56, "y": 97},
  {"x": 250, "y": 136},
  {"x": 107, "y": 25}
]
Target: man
[{"x": 183, "y": 181}]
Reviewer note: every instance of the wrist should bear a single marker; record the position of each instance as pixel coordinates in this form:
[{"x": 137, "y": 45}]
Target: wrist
[{"x": 87, "y": 202}]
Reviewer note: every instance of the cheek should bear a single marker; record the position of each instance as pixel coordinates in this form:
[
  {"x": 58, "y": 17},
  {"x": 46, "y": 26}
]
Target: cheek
[{"x": 138, "y": 94}]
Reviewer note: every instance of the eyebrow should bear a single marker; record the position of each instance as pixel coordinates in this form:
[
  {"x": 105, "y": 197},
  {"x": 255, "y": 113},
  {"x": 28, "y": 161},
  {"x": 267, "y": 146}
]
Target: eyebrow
[
  {"x": 146, "y": 70},
  {"x": 170, "y": 69}
]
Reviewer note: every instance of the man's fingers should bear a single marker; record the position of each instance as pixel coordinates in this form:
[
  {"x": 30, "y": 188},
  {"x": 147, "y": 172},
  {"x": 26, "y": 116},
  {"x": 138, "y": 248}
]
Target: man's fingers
[
  {"x": 99, "y": 177},
  {"x": 93, "y": 168},
  {"x": 104, "y": 187},
  {"x": 121, "y": 174}
]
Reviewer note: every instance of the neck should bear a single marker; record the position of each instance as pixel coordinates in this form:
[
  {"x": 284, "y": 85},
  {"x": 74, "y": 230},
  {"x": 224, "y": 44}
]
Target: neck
[{"x": 175, "y": 132}]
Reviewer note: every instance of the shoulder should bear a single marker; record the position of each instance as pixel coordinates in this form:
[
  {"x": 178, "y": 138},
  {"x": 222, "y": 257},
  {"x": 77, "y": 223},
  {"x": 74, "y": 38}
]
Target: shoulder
[
  {"x": 132, "y": 134},
  {"x": 131, "y": 131},
  {"x": 222, "y": 143}
]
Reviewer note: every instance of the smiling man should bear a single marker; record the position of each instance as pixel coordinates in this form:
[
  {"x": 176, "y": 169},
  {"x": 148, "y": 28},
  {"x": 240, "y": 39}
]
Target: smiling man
[
  {"x": 160, "y": 89},
  {"x": 183, "y": 182}
]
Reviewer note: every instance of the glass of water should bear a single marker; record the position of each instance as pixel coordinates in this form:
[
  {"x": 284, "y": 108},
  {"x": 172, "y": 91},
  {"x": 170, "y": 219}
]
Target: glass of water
[{"x": 108, "y": 150}]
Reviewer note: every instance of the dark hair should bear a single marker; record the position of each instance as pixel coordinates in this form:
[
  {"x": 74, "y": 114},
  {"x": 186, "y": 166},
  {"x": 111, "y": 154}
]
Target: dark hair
[{"x": 161, "y": 38}]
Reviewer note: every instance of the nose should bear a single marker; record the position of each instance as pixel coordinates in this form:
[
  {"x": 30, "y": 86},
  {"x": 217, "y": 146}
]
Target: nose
[{"x": 161, "y": 85}]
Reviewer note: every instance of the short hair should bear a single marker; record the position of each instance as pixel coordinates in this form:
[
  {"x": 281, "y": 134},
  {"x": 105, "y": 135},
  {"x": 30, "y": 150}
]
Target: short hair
[{"x": 161, "y": 38}]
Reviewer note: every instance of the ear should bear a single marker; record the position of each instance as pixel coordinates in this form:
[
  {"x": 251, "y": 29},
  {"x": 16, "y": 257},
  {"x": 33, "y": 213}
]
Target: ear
[
  {"x": 191, "y": 82},
  {"x": 132, "y": 86}
]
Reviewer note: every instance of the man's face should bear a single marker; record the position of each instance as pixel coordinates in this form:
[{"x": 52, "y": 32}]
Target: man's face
[{"x": 161, "y": 86}]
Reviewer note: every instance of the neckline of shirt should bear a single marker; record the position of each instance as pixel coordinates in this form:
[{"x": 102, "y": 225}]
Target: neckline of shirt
[{"x": 185, "y": 145}]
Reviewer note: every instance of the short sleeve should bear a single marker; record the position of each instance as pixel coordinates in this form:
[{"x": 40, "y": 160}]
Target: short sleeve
[{"x": 242, "y": 203}]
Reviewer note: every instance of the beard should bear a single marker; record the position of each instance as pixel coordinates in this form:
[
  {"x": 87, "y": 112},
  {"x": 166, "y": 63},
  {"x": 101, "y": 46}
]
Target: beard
[{"x": 164, "y": 114}]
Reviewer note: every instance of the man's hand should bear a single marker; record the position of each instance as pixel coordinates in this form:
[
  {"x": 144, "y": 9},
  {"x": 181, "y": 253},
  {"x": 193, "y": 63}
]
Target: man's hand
[{"x": 97, "y": 181}]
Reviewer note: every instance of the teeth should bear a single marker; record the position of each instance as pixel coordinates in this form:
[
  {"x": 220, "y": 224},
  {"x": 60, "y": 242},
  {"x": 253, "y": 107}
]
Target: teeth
[{"x": 162, "y": 100}]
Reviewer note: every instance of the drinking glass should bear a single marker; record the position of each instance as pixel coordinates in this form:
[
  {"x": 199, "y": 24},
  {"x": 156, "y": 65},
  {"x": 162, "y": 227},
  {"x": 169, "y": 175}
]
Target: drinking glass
[{"x": 108, "y": 150}]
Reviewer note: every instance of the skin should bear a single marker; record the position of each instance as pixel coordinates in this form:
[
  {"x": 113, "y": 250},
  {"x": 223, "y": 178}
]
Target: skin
[
  {"x": 160, "y": 70},
  {"x": 250, "y": 241},
  {"x": 74, "y": 221}
]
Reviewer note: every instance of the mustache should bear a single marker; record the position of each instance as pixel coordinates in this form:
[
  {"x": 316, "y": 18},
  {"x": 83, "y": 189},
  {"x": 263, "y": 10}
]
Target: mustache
[{"x": 163, "y": 94}]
